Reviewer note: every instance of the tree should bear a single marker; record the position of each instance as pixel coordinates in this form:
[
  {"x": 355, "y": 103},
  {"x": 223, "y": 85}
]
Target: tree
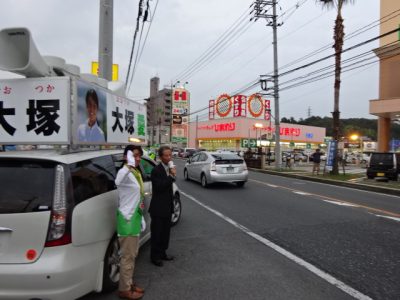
[{"x": 338, "y": 46}]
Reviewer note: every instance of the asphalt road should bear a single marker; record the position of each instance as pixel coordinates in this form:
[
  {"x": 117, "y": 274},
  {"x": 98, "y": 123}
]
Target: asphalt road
[{"x": 278, "y": 238}]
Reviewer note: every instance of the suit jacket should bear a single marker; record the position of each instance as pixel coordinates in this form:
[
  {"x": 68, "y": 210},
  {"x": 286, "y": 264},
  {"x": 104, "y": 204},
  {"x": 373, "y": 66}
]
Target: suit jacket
[{"x": 162, "y": 198}]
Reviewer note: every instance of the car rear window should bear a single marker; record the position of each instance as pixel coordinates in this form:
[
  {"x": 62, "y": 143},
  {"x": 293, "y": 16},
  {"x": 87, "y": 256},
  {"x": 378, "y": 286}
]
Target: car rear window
[
  {"x": 227, "y": 158},
  {"x": 385, "y": 158},
  {"x": 26, "y": 186}
]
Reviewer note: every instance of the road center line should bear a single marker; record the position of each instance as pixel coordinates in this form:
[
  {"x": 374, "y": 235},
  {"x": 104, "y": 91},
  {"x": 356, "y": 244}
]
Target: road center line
[
  {"x": 302, "y": 193},
  {"x": 318, "y": 272},
  {"x": 340, "y": 203},
  {"x": 323, "y": 198},
  {"x": 390, "y": 218}
]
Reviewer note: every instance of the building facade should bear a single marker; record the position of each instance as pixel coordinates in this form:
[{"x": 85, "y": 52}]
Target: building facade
[
  {"x": 240, "y": 133},
  {"x": 387, "y": 107},
  {"x": 159, "y": 113}
]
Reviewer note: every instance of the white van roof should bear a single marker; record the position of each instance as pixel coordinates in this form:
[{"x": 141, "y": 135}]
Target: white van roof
[{"x": 57, "y": 156}]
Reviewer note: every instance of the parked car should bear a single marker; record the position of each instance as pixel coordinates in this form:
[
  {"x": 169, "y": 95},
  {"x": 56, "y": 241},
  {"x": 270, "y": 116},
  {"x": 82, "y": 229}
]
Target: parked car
[
  {"x": 58, "y": 222},
  {"x": 188, "y": 152},
  {"x": 210, "y": 167},
  {"x": 176, "y": 152},
  {"x": 300, "y": 156},
  {"x": 384, "y": 164}
]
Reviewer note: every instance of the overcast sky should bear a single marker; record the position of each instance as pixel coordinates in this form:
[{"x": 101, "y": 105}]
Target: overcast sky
[{"x": 183, "y": 29}]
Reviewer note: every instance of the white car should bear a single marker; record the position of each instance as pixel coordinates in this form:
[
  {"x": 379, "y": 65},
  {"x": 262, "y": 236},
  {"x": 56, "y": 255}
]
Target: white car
[
  {"x": 58, "y": 222},
  {"x": 209, "y": 167}
]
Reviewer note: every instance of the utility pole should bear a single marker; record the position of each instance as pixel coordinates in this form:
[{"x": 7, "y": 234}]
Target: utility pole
[
  {"x": 106, "y": 39},
  {"x": 159, "y": 132},
  {"x": 197, "y": 125},
  {"x": 261, "y": 10},
  {"x": 309, "y": 112}
]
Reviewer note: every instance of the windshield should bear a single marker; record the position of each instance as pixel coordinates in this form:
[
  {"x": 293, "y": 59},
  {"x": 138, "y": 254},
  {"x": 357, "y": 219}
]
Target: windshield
[
  {"x": 26, "y": 186},
  {"x": 384, "y": 158},
  {"x": 223, "y": 156},
  {"x": 227, "y": 158}
]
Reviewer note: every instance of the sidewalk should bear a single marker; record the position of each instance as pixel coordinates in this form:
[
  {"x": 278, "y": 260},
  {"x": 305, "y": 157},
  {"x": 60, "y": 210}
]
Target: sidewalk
[
  {"x": 306, "y": 168},
  {"x": 354, "y": 177}
]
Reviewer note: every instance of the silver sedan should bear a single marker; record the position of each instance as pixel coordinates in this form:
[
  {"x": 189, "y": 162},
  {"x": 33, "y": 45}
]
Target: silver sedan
[{"x": 210, "y": 167}]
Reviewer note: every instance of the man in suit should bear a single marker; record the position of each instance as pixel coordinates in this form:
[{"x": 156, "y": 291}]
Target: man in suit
[{"x": 161, "y": 206}]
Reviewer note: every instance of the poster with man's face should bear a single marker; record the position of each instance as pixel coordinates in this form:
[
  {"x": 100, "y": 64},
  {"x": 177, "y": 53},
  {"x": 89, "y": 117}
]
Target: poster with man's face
[{"x": 91, "y": 114}]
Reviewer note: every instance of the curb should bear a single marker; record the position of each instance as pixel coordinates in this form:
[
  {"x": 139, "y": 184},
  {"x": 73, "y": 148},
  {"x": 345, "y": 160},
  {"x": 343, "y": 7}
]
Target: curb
[{"x": 357, "y": 186}]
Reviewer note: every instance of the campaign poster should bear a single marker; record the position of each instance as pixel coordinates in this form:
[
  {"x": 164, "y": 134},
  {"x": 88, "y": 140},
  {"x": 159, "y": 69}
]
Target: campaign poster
[
  {"x": 126, "y": 120},
  {"x": 35, "y": 111},
  {"x": 91, "y": 114}
]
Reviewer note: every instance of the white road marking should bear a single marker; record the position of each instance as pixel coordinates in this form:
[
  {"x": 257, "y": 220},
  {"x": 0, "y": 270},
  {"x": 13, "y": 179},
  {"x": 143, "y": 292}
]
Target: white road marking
[
  {"x": 335, "y": 186},
  {"x": 340, "y": 203},
  {"x": 272, "y": 185},
  {"x": 333, "y": 200},
  {"x": 387, "y": 217},
  {"x": 325, "y": 276},
  {"x": 301, "y": 193}
]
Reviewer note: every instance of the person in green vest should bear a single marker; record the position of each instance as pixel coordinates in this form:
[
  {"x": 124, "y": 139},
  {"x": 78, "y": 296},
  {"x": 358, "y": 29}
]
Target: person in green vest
[
  {"x": 152, "y": 155},
  {"x": 130, "y": 221}
]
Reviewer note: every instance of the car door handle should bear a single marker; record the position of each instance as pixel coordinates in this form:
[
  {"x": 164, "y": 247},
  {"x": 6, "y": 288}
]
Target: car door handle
[
  {"x": 148, "y": 194},
  {"x": 3, "y": 229}
]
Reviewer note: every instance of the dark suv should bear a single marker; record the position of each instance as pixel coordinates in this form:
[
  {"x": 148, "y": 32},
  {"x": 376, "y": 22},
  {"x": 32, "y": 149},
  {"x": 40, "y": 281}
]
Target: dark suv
[{"x": 384, "y": 164}]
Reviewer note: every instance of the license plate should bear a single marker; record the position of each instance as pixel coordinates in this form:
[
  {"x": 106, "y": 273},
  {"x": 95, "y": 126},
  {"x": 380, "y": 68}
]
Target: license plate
[
  {"x": 380, "y": 174},
  {"x": 4, "y": 240},
  {"x": 230, "y": 170}
]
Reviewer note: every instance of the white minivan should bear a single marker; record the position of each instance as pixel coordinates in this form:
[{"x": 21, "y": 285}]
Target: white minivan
[{"x": 57, "y": 222}]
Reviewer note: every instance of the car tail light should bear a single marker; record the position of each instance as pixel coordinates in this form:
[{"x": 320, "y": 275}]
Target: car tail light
[
  {"x": 213, "y": 166},
  {"x": 57, "y": 235}
]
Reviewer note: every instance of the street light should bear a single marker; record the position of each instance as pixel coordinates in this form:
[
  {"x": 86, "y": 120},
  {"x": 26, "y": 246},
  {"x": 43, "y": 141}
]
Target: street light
[{"x": 356, "y": 137}]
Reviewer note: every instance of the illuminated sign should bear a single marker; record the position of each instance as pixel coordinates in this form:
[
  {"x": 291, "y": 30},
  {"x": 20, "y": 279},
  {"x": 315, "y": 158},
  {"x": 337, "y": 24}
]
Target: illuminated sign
[
  {"x": 255, "y": 105},
  {"x": 239, "y": 106},
  {"x": 180, "y": 109},
  {"x": 290, "y": 131},
  {"x": 219, "y": 127},
  {"x": 225, "y": 106},
  {"x": 180, "y": 95},
  {"x": 309, "y": 135}
]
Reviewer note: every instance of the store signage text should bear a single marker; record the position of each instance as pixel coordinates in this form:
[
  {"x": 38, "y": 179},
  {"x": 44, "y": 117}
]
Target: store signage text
[
  {"x": 219, "y": 127},
  {"x": 284, "y": 131}
]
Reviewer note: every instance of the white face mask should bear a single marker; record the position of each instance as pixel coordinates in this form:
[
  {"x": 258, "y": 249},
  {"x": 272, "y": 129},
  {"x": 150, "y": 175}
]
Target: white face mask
[{"x": 131, "y": 159}]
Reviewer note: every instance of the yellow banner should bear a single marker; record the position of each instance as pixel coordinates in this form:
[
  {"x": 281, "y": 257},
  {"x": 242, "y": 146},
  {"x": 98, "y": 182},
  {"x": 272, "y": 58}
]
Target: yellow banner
[{"x": 115, "y": 70}]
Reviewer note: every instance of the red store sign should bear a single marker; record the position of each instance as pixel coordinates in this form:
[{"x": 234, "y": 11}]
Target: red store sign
[
  {"x": 219, "y": 127},
  {"x": 284, "y": 131}
]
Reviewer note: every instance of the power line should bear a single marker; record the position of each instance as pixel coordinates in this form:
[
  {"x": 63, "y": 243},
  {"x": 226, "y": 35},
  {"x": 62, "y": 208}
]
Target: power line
[
  {"x": 216, "y": 52},
  {"x": 354, "y": 58},
  {"x": 140, "y": 51},
  {"x": 226, "y": 34},
  {"x": 140, "y": 12},
  {"x": 317, "y": 90},
  {"x": 350, "y": 36},
  {"x": 343, "y": 51},
  {"x": 261, "y": 52},
  {"x": 320, "y": 77},
  {"x": 345, "y": 69},
  {"x": 136, "y": 58}
]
